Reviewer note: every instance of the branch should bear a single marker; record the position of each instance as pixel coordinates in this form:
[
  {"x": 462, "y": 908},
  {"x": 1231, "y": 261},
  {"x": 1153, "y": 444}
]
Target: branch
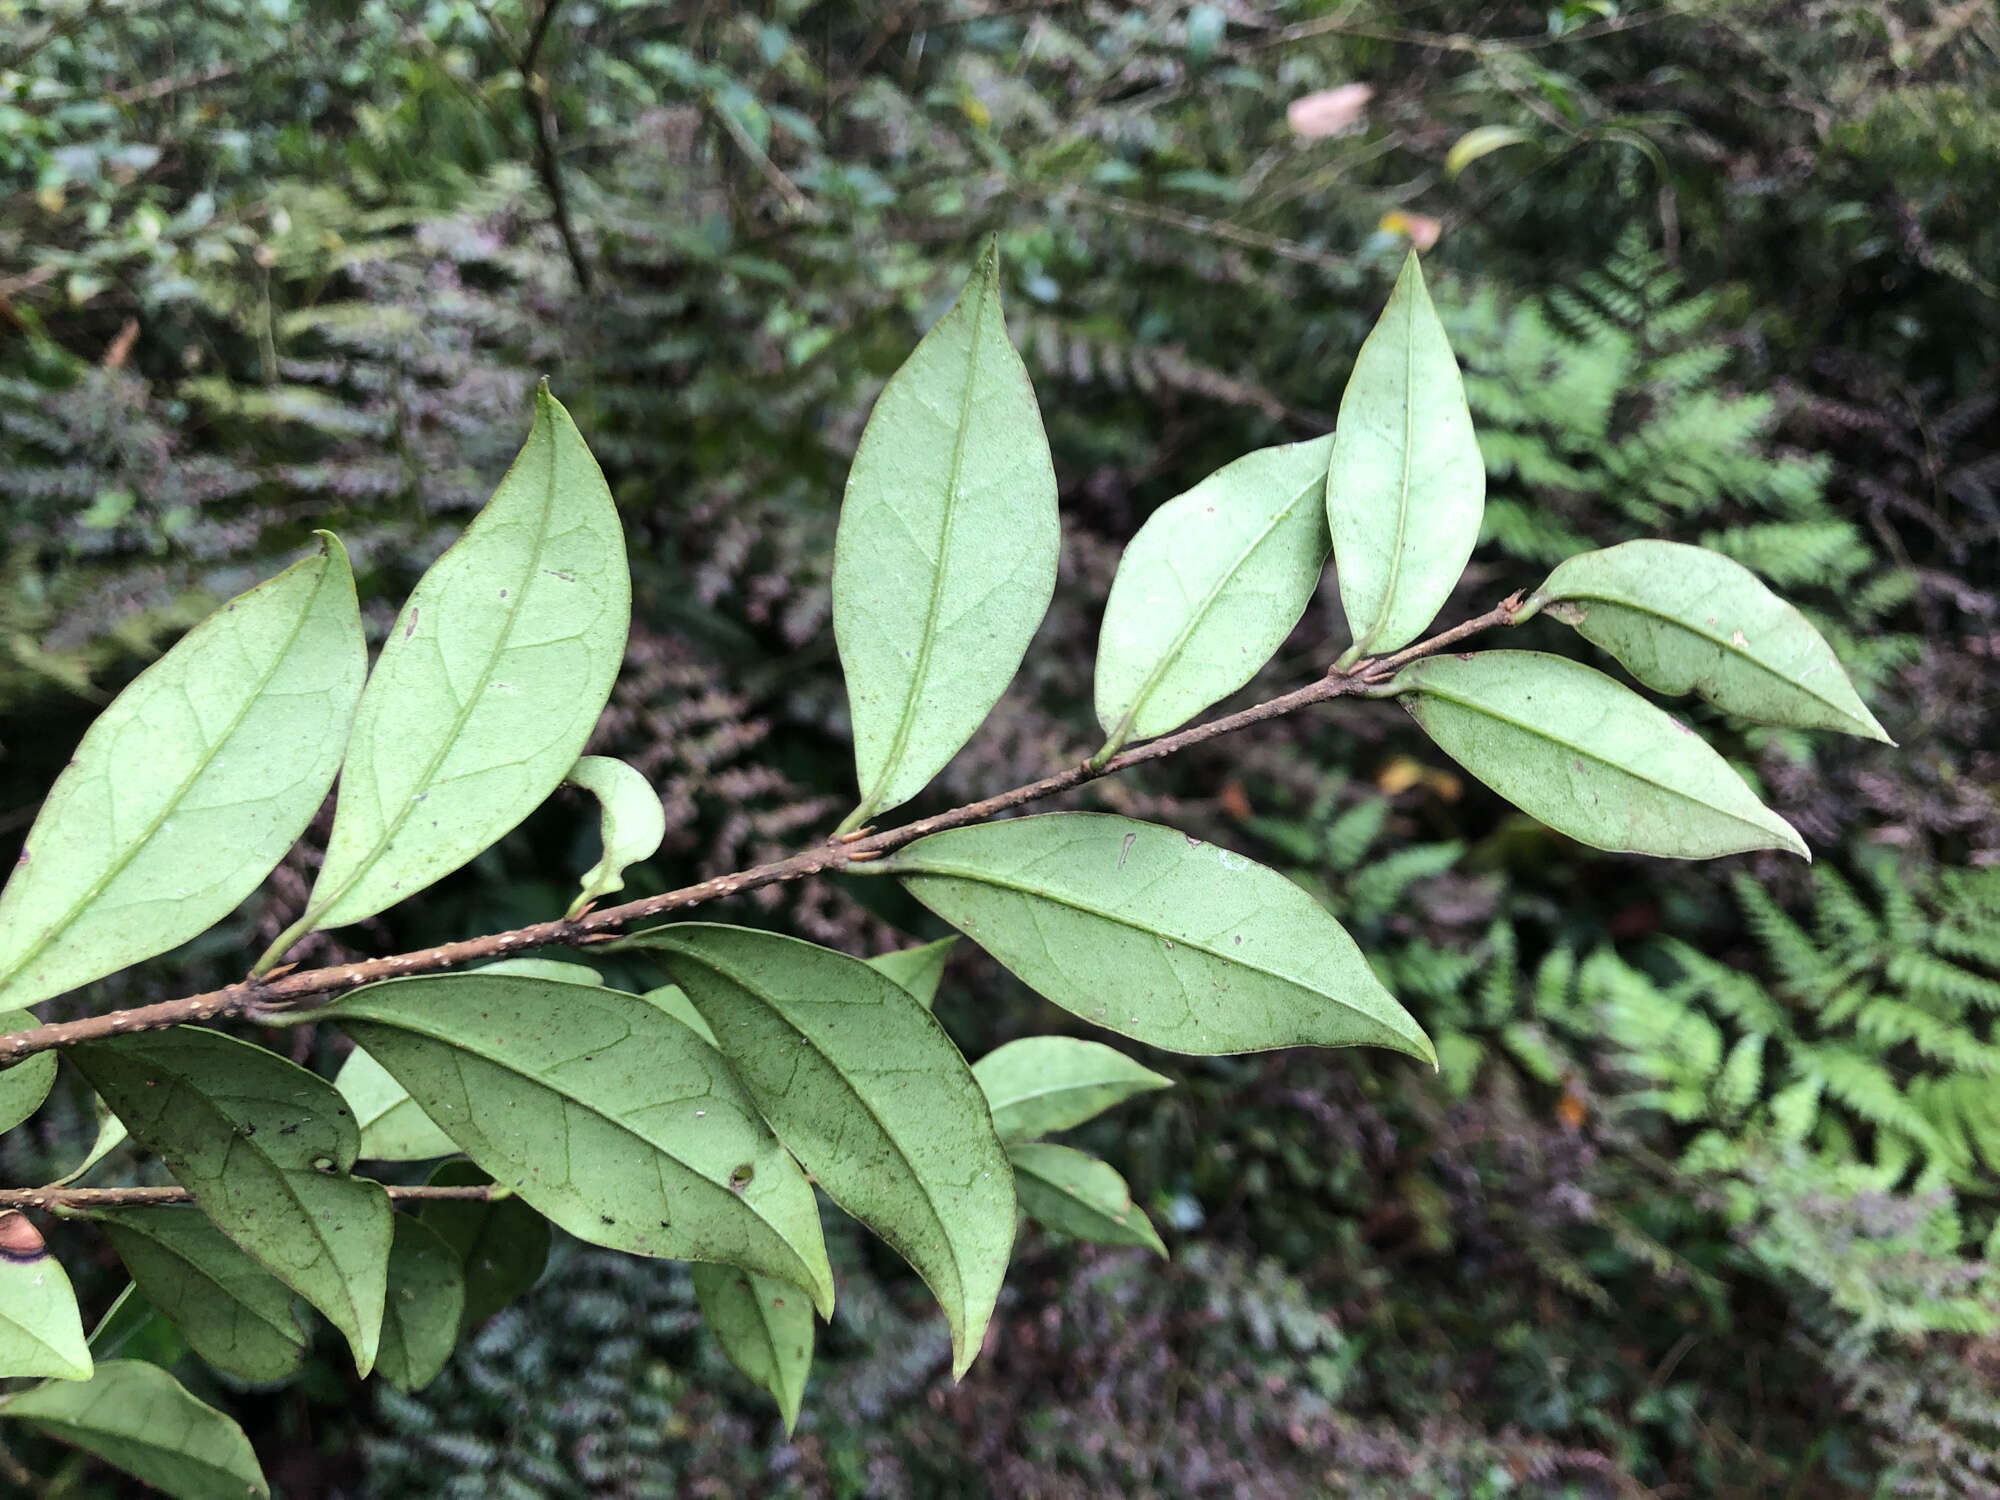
[
  {"x": 60, "y": 1199},
  {"x": 542, "y": 117},
  {"x": 272, "y": 997}
]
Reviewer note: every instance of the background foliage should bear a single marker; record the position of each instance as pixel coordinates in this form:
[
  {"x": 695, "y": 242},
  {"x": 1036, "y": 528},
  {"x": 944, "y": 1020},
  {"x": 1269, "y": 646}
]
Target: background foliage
[{"x": 1703, "y": 1200}]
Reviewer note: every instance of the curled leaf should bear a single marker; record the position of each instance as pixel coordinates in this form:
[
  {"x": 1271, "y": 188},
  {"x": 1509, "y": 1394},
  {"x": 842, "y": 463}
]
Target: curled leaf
[{"x": 634, "y": 823}]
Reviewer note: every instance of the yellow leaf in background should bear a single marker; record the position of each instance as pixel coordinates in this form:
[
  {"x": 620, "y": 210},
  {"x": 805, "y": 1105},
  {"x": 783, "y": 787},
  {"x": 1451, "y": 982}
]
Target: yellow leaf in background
[
  {"x": 1421, "y": 230},
  {"x": 1480, "y": 141},
  {"x": 1404, "y": 772}
]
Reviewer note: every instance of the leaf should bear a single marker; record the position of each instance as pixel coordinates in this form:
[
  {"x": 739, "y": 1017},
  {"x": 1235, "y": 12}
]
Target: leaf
[
  {"x": 138, "y": 1418},
  {"x": 1155, "y": 935},
  {"x": 132, "y": 1328},
  {"x": 1588, "y": 757},
  {"x": 1406, "y": 486},
  {"x": 1080, "y": 1196},
  {"x": 543, "y": 968},
  {"x": 945, "y": 560},
  {"x": 918, "y": 970},
  {"x": 264, "y": 1147},
  {"x": 394, "y": 1126},
  {"x": 670, "y": 999},
  {"x": 111, "y": 1134},
  {"x": 502, "y": 1245},
  {"x": 866, "y": 1090},
  {"x": 1041, "y": 1084},
  {"x": 491, "y": 680},
  {"x": 41, "y": 1332},
  {"x": 1683, "y": 619},
  {"x": 603, "y": 1112},
  {"x": 634, "y": 823},
  {"x": 764, "y": 1327},
  {"x": 1481, "y": 140},
  {"x": 1209, "y": 589},
  {"x": 190, "y": 787},
  {"x": 232, "y": 1312},
  {"x": 25, "y": 1085},
  {"x": 420, "y": 1317}
]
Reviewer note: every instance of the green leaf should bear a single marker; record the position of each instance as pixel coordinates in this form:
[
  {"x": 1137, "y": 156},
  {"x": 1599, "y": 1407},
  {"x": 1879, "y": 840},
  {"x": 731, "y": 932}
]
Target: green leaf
[
  {"x": 1686, "y": 620},
  {"x": 233, "y": 1312},
  {"x": 41, "y": 1332},
  {"x": 1209, "y": 589},
  {"x": 633, "y": 825},
  {"x": 502, "y": 1245},
  {"x": 766, "y": 1329},
  {"x": 1481, "y": 140},
  {"x": 918, "y": 970},
  {"x": 1588, "y": 757},
  {"x": 866, "y": 1090},
  {"x": 1406, "y": 486},
  {"x": 111, "y": 1134},
  {"x": 1155, "y": 935},
  {"x": 670, "y": 999},
  {"x": 190, "y": 786},
  {"x": 138, "y": 1418},
  {"x": 393, "y": 1125},
  {"x": 1080, "y": 1196},
  {"x": 264, "y": 1147},
  {"x": 132, "y": 1328},
  {"x": 945, "y": 560},
  {"x": 543, "y": 968},
  {"x": 491, "y": 680},
  {"x": 602, "y": 1112},
  {"x": 420, "y": 1318},
  {"x": 26, "y": 1084},
  {"x": 1042, "y": 1084}
]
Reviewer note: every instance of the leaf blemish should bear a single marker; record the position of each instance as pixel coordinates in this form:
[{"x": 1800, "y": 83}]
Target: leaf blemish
[
  {"x": 1126, "y": 849},
  {"x": 411, "y": 628}
]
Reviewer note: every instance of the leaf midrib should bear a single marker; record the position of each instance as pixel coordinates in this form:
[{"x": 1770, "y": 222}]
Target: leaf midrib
[{"x": 1403, "y": 491}]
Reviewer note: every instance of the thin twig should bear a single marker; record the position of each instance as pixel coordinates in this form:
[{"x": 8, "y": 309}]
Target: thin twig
[
  {"x": 542, "y": 119},
  {"x": 56, "y": 1199},
  {"x": 280, "y": 997}
]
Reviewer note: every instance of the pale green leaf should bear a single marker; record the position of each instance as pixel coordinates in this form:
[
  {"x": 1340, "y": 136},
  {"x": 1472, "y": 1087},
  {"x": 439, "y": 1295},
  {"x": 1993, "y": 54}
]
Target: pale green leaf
[
  {"x": 670, "y": 999},
  {"x": 41, "y": 1332},
  {"x": 138, "y": 1418},
  {"x": 866, "y": 1090},
  {"x": 766, "y": 1329},
  {"x": 232, "y": 1312},
  {"x": 490, "y": 682},
  {"x": 602, "y": 1112},
  {"x": 945, "y": 560},
  {"x": 1686, "y": 620},
  {"x": 1588, "y": 757},
  {"x": 25, "y": 1084},
  {"x": 543, "y": 968},
  {"x": 1406, "y": 487},
  {"x": 1080, "y": 1196},
  {"x": 264, "y": 1147},
  {"x": 420, "y": 1317},
  {"x": 634, "y": 821},
  {"x": 132, "y": 1328},
  {"x": 1155, "y": 935},
  {"x": 1481, "y": 140},
  {"x": 111, "y": 1134},
  {"x": 1041, "y": 1084},
  {"x": 502, "y": 1245},
  {"x": 393, "y": 1125},
  {"x": 918, "y": 970},
  {"x": 190, "y": 786},
  {"x": 1209, "y": 589}
]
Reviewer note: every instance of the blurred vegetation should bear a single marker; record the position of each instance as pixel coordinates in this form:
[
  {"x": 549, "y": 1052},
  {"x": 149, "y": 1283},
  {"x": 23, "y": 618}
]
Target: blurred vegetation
[{"x": 1703, "y": 1201}]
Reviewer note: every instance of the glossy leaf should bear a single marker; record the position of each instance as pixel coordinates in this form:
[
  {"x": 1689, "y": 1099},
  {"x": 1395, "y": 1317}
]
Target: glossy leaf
[
  {"x": 766, "y": 1329},
  {"x": 502, "y": 1245},
  {"x": 138, "y": 1418},
  {"x": 41, "y": 1332},
  {"x": 26, "y": 1084},
  {"x": 918, "y": 970},
  {"x": 866, "y": 1090},
  {"x": 393, "y": 1125},
  {"x": 1042, "y": 1084},
  {"x": 1588, "y": 757},
  {"x": 491, "y": 680},
  {"x": 1406, "y": 487},
  {"x": 420, "y": 1318},
  {"x": 232, "y": 1312},
  {"x": 190, "y": 786},
  {"x": 1080, "y": 1196},
  {"x": 1209, "y": 589},
  {"x": 264, "y": 1147},
  {"x": 602, "y": 1112},
  {"x": 1155, "y": 935},
  {"x": 945, "y": 560},
  {"x": 634, "y": 821},
  {"x": 1686, "y": 620}
]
